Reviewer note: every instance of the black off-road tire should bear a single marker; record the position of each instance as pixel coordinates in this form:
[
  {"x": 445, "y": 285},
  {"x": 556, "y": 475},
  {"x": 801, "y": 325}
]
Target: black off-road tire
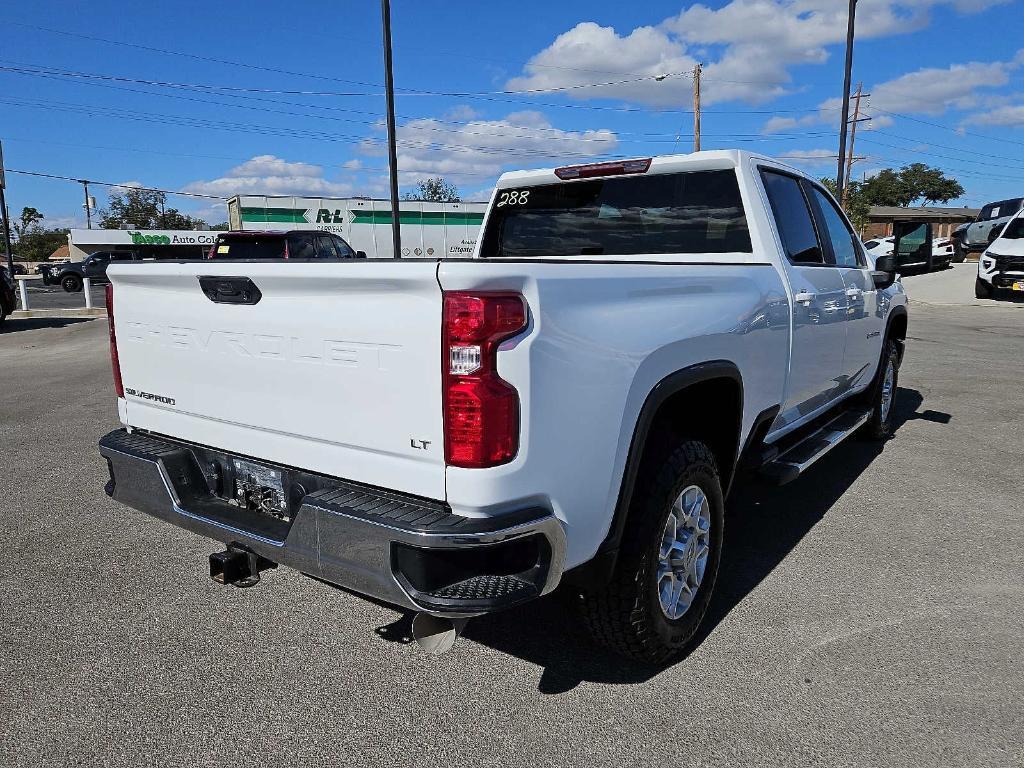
[
  {"x": 71, "y": 283},
  {"x": 983, "y": 290},
  {"x": 626, "y": 615},
  {"x": 879, "y": 425}
]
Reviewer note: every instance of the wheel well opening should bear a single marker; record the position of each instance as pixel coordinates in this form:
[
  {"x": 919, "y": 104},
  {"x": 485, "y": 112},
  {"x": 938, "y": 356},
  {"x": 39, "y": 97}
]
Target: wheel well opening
[
  {"x": 710, "y": 411},
  {"x": 898, "y": 329}
]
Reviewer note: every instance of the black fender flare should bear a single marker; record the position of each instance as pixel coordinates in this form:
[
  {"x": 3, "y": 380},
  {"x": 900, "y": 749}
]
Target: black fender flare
[
  {"x": 662, "y": 391},
  {"x": 898, "y": 311}
]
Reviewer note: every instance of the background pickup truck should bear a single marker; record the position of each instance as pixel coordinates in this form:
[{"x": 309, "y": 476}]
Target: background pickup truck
[
  {"x": 569, "y": 405},
  {"x": 71, "y": 275}
]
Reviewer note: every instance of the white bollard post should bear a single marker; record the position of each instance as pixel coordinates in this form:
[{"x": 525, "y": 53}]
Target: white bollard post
[
  {"x": 24, "y": 294},
  {"x": 87, "y": 287}
]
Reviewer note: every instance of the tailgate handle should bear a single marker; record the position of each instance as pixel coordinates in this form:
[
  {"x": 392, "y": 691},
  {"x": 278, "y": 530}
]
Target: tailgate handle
[{"x": 230, "y": 290}]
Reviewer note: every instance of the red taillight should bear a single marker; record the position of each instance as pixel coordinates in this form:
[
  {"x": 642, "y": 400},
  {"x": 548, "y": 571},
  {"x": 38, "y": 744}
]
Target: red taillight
[
  {"x": 115, "y": 363},
  {"x": 481, "y": 410},
  {"x": 616, "y": 168}
]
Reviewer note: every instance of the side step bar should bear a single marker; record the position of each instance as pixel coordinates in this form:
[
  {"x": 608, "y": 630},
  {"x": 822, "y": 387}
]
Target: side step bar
[{"x": 796, "y": 460}]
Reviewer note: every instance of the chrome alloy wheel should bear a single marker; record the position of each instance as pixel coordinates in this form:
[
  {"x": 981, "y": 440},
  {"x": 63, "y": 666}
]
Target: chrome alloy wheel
[
  {"x": 888, "y": 390},
  {"x": 683, "y": 556}
]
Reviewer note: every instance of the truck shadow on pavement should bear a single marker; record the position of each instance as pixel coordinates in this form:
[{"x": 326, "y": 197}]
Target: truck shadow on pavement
[
  {"x": 764, "y": 524},
  {"x": 15, "y": 324}
]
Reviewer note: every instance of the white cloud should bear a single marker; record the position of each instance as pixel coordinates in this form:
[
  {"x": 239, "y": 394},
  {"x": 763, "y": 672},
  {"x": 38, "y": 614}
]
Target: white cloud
[
  {"x": 590, "y": 53},
  {"x": 469, "y": 152},
  {"x": 758, "y": 42},
  {"x": 270, "y": 175},
  {"x": 1010, "y": 116},
  {"x": 928, "y": 91},
  {"x": 932, "y": 91},
  {"x": 809, "y": 157}
]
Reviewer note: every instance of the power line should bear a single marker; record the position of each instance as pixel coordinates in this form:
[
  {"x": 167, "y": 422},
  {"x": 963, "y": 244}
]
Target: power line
[
  {"x": 198, "y": 57},
  {"x": 111, "y": 184},
  {"x": 958, "y": 131},
  {"x": 33, "y": 69},
  {"x": 493, "y": 96}
]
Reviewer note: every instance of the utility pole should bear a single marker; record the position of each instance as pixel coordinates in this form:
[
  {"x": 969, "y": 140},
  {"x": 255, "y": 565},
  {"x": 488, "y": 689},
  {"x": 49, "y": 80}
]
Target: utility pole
[
  {"x": 88, "y": 213},
  {"x": 851, "y": 16},
  {"x": 7, "y": 217},
  {"x": 853, "y": 137},
  {"x": 389, "y": 89},
  {"x": 696, "y": 108}
]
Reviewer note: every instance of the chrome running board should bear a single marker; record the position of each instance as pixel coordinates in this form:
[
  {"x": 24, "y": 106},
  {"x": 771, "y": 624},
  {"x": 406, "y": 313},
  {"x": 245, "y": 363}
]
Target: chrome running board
[{"x": 796, "y": 460}]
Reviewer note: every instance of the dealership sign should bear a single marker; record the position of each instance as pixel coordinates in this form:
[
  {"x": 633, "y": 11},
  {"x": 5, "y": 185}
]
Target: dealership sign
[{"x": 112, "y": 237}]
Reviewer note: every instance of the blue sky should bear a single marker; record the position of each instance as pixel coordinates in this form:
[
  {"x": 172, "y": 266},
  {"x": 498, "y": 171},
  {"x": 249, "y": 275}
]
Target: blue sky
[{"x": 262, "y": 97}]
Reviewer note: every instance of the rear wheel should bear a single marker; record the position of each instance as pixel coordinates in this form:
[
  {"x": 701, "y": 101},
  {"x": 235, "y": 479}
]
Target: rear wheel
[
  {"x": 668, "y": 560},
  {"x": 71, "y": 283},
  {"x": 982, "y": 290}
]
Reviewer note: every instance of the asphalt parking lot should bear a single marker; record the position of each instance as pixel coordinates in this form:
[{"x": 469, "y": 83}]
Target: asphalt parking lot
[
  {"x": 868, "y": 614},
  {"x": 54, "y": 297}
]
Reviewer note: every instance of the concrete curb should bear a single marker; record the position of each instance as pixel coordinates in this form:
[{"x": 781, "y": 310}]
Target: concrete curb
[{"x": 77, "y": 312}]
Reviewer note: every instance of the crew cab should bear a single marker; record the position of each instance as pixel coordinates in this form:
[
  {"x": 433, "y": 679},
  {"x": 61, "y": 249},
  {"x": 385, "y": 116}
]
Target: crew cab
[
  {"x": 569, "y": 405},
  {"x": 1001, "y": 266}
]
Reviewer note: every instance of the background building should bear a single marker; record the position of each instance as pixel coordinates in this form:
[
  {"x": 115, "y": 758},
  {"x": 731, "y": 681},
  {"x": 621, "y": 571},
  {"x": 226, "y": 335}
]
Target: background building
[{"x": 943, "y": 220}]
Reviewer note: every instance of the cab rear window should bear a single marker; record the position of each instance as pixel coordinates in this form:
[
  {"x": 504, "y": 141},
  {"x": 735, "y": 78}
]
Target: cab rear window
[{"x": 679, "y": 213}]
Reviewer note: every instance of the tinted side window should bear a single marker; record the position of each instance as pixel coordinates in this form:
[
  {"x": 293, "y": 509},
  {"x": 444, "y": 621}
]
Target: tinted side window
[
  {"x": 793, "y": 218},
  {"x": 325, "y": 247},
  {"x": 344, "y": 250},
  {"x": 300, "y": 248},
  {"x": 838, "y": 233}
]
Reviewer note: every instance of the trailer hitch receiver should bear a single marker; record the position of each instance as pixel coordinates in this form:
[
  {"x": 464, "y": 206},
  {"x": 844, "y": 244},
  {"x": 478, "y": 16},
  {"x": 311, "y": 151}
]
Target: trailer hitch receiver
[{"x": 238, "y": 566}]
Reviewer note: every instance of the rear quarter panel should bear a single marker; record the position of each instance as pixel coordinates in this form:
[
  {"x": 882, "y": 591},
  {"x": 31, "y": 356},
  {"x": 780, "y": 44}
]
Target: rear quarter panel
[{"x": 600, "y": 337}]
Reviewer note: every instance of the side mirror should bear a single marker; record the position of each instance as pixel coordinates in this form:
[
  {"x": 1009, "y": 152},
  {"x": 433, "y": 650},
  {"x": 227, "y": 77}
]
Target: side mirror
[
  {"x": 884, "y": 273},
  {"x": 993, "y": 234},
  {"x": 360, "y": 254}
]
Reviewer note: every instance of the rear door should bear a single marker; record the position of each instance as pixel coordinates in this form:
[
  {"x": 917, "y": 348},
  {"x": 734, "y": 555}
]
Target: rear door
[
  {"x": 819, "y": 301},
  {"x": 864, "y": 319},
  {"x": 329, "y": 367}
]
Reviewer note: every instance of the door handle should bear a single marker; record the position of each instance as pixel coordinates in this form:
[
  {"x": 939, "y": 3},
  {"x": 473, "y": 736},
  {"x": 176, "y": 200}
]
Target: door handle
[
  {"x": 804, "y": 297},
  {"x": 854, "y": 293},
  {"x": 230, "y": 290}
]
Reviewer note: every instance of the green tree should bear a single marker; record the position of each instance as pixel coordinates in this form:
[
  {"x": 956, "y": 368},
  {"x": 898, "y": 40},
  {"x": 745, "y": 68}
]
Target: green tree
[
  {"x": 143, "y": 209},
  {"x": 930, "y": 184},
  {"x": 902, "y": 188},
  {"x": 435, "y": 190},
  {"x": 29, "y": 220},
  {"x": 856, "y": 206},
  {"x": 38, "y": 244}
]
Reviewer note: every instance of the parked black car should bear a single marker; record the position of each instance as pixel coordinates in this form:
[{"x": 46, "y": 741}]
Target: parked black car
[
  {"x": 19, "y": 269},
  {"x": 8, "y": 301},
  {"x": 70, "y": 276}
]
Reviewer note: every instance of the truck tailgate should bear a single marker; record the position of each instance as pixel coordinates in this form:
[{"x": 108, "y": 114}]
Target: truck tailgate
[{"x": 335, "y": 369}]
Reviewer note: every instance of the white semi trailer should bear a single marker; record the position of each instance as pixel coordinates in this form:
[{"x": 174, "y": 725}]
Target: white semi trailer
[{"x": 429, "y": 230}]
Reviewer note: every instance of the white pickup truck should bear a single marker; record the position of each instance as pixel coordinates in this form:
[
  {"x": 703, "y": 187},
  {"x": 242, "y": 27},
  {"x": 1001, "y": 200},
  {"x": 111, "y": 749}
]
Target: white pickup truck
[{"x": 571, "y": 404}]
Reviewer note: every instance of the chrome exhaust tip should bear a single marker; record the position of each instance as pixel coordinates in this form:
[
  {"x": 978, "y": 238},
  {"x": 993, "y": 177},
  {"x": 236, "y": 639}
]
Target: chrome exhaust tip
[{"x": 436, "y": 634}]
